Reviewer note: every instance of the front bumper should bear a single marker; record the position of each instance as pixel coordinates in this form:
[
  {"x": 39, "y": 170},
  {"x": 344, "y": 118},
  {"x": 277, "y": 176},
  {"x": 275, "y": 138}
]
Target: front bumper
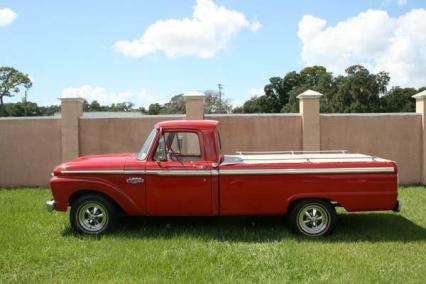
[{"x": 50, "y": 205}]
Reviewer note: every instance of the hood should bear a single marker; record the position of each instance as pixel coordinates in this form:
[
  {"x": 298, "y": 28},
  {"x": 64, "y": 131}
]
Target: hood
[{"x": 96, "y": 162}]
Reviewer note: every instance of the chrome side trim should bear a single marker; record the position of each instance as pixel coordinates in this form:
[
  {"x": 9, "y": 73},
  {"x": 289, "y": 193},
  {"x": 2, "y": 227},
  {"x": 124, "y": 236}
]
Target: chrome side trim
[
  {"x": 148, "y": 172},
  {"x": 307, "y": 171},
  {"x": 179, "y": 172},
  {"x": 237, "y": 171},
  {"x": 134, "y": 172},
  {"x": 102, "y": 172}
]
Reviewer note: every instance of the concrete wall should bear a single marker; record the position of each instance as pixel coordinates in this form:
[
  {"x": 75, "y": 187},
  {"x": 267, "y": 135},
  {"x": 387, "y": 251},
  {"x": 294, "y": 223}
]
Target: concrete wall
[
  {"x": 395, "y": 137},
  {"x": 117, "y": 134},
  {"x": 29, "y": 149},
  {"x": 261, "y": 132}
]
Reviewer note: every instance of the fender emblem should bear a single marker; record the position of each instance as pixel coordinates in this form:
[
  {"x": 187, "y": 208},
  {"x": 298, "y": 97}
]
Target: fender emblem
[{"x": 134, "y": 180}]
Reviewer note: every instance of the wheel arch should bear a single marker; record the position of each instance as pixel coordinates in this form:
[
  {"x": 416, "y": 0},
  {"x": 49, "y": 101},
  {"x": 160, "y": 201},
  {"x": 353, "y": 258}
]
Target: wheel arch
[
  {"x": 65, "y": 189},
  {"x": 74, "y": 196},
  {"x": 294, "y": 200}
]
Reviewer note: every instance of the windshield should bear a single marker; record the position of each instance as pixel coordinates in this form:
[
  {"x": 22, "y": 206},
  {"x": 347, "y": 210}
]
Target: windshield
[{"x": 145, "y": 148}]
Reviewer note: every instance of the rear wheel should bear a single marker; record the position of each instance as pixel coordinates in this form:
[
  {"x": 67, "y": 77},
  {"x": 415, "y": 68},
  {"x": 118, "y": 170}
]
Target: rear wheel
[
  {"x": 93, "y": 214},
  {"x": 312, "y": 217}
]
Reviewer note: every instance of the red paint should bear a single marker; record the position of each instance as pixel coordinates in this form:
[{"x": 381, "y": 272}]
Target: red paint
[{"x": 213, "y": 194}]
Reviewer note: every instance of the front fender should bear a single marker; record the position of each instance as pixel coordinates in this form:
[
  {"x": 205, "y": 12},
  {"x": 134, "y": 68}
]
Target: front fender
[{"x": 63, "y": 187}]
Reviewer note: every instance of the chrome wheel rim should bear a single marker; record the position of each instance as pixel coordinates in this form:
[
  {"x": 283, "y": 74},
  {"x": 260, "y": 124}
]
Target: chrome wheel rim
[
  {"x": 92, "y": 217},
  {"x": 313, "y": 219}
]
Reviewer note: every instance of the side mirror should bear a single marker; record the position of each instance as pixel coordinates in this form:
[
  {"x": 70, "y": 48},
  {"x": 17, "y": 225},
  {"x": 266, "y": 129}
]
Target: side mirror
[{"x": 160, "y": 158}]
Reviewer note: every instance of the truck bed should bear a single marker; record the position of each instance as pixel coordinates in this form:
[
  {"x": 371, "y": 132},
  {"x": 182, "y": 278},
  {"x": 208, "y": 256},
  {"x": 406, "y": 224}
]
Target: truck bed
[
  {"x": 274, "y": 158},
  {"x": 262, "y": 182}
]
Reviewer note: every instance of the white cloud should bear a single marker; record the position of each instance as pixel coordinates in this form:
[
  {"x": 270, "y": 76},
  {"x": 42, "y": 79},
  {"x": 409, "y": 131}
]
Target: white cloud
[
  {"x": 7, "y": 16},
  {"x": 372, "y": 38},
  {"x": 32, "y": 79},
  {"x": 255, "y": 26},
  {"x": 256, "y": 92},
  {"x": 210, "y": 29},
  {"x": 398, "y": 2},
  {"x": 105, "y": 97}
]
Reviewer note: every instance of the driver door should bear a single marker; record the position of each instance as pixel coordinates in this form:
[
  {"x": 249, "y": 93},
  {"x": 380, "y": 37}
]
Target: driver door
[{"x": 178, "y": 176}]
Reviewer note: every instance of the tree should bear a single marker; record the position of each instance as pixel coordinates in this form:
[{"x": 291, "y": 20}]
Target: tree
[
  {"x": 316, "y": 78},
  {"x": 356, "y": 91},
  {"x": 359, "y": 91},
  {"x": 124, "y": 107},
  {"x": 238, "y": 109},
  {"x": 176, "y": 105},
  {"x": 11, "y": 83},
  {"x": 95, "y": 106},
  {"x": 29, "y": 108},
  {"x": 154, "y": 108},
  {"x": 214, "y": 104},
  {"x": 276, "y": 96},
  {"x": 399, "y": 100}
]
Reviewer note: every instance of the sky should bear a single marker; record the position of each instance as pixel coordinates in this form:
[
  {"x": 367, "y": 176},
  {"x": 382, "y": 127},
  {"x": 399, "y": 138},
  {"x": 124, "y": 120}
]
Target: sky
[{"x": 148, "y": 51}]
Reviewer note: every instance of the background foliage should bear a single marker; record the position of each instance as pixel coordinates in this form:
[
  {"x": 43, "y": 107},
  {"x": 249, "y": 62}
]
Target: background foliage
[{"x": 356, "y": 91}]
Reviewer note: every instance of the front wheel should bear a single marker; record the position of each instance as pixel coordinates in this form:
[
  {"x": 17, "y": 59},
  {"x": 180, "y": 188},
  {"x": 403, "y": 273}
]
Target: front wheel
[
  {"x": 92, "y": 214},
  {"x": 312, "y": 217}
]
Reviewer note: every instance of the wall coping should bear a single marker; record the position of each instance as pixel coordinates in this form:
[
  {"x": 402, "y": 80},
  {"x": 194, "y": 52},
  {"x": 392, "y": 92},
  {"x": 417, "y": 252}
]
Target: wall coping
[
  {"x": 372, "y": 114},
  {"x": 31, "y": 117},
  {"x": 94, "y": 115},
  {"x": 250, "y": 114}
]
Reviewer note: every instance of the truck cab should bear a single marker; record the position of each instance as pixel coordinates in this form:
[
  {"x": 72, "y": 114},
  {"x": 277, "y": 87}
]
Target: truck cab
[{"x": 180, "y": 167}]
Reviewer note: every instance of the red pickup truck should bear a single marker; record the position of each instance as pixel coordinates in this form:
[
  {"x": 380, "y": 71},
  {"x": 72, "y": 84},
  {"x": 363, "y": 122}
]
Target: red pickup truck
[{"x": 180, "y": 172}]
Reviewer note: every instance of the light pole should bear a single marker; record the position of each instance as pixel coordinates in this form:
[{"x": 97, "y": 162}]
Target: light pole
[
  {"x": 25, "y": 102},
  {"x": 220, "y": 96}
]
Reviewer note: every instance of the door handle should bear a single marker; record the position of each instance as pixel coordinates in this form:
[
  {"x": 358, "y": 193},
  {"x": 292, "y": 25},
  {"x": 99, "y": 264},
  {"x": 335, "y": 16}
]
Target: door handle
[{"x": 200, "y": 166}]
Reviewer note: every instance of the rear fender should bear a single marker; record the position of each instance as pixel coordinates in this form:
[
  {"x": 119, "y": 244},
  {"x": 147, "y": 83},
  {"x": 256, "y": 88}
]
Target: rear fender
[
  {"x": 294, "y": 198},
  {"x": 351, "y": 201}
]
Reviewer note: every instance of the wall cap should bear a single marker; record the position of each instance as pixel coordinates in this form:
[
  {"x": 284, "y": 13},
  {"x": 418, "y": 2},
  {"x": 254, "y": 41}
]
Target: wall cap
[
  {"x": 309, "y": 94},
  {"x": 213, "y": 115},
  {"x": 71, "y": 99},
  {"x": 193, "y": 94},
  {"x": 421, "y": 95}
]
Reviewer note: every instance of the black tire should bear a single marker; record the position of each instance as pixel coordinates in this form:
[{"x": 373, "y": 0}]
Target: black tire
[
  {"x": 93, "y": 214},
  {"x": 312, "y": 217}
]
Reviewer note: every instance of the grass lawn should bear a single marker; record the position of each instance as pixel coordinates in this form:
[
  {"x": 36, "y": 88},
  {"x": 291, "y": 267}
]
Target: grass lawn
[{"x": 38, "y": 246}]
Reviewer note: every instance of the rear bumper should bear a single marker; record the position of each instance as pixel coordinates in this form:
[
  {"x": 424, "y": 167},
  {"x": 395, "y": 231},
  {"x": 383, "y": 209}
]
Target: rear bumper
[
  {"x": 397, "y": 207},
  {"x": 50, "y": 205}
]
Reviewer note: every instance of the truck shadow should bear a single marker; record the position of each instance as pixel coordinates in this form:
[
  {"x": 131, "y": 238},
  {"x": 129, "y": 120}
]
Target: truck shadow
[{"x": 371, "y": 227}]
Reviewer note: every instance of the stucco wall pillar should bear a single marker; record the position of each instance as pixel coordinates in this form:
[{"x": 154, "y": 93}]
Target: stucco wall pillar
[
  {"x": 421, "y": 109},
  {"x": 194, "y": 104},
  {"x": 309, "y": 107},
  {"x": 71, "y": 110}
]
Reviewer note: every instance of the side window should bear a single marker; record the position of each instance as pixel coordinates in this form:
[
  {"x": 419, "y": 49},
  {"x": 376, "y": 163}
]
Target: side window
[{"x": 178, "y": 146}]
